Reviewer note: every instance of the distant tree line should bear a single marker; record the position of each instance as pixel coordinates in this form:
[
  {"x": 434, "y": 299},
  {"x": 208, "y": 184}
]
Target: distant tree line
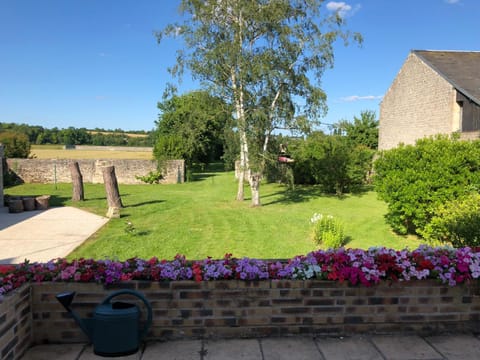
[{"x": 78, "y": 136}]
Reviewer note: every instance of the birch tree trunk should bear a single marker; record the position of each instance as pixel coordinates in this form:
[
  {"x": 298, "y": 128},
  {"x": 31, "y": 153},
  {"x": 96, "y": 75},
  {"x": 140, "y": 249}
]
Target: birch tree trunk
[
  {"x": 77, "y": 182},
  {"x": 240, "y": 112}
]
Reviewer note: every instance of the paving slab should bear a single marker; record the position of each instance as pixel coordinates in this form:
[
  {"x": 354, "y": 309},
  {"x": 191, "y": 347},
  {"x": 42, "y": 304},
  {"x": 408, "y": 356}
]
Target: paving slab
[
  {"x": 232, "y": 349},
  {"x": 40, "y": 236},
  {"x": 174, "y": 350},
  {"x": 348, "y": 348},
  {"x": 459, "y": 347},
  {"x": 57, "y": 352},
  {"x": 290, "y": 348},
  {"x": 88, "y": 354},
  {"x": 456, "y": 346},
  {"x": 405, "y": 348}
]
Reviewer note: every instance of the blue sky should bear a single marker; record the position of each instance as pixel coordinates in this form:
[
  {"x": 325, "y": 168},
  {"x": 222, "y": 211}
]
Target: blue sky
[{"x": 96, "y": 63}]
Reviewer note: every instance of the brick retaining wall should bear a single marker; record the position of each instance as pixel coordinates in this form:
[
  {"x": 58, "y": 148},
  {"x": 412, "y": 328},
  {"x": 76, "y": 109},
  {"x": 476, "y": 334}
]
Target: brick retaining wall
[
  {"x": 16, "y": 324},
  {"x": 47, "y": 171},
  {"x": 187, "y": 309}
]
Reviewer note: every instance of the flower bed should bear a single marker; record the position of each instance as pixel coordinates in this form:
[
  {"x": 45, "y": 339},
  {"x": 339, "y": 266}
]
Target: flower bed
[
  {"x": 356, "y": 267},
  {"x": 343, "y": 292}
]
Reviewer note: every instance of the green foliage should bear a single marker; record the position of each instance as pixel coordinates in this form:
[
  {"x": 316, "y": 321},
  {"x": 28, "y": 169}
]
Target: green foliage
[
  {"x": 457, "y": 222},
  {"x": 331, "y": 161},
  {"x": 415, "y": 180},
  {"x": 129, "y": 227},
  {"x": 363, "y": 131},
  {"x": 266, "y": 58},
  {"x": 168, "y": 147},
  {"x": 328, "y": 231},
  {"x": 231, "y": 148},
  {"x": 16, "y": 144},
  {"x": 192, "y": 127},
  {"x": 72, "y": 136},
  {"x": 153, "y": 177}
]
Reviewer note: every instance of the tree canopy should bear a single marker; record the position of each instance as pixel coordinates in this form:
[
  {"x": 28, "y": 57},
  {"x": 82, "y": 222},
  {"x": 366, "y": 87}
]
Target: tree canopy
[
  {"x": 363, "y": 130},
  {"x": 266, "y": 58},
  {"x": 191, "y": 127}
]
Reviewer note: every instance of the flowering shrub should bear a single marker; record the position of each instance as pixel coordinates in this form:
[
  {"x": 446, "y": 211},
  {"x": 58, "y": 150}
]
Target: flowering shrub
[
  {"x": 328, "y": 231},
  {"x": 357, "y": 267}
]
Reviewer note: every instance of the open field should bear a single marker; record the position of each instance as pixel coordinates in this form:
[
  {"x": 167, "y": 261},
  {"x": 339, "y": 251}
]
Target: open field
[
  {"x": 132, "y": 135},
  {"x": 200, "y": 219},
  {"x": 57, "y": 152}
]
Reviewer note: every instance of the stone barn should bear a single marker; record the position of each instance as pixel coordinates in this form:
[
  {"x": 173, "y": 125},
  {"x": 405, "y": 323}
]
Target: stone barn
[{"x": 435, "y": 92}]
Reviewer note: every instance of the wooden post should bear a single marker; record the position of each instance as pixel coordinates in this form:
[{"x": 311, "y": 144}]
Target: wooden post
[
  {"x": 113, "y": 195},
  {"x": 77, "y": 182}
]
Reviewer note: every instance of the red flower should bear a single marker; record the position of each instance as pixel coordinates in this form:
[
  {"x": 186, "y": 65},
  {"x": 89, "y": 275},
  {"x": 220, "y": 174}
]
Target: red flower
[
  {"x": 197, "y": 272},
  {"x": 5, "y": 269}
]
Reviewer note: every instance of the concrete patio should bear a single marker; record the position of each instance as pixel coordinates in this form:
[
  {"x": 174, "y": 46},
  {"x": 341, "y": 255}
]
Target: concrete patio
[
  {"x": 43, "y": 235},
  {"x": 409, "y": 347}
]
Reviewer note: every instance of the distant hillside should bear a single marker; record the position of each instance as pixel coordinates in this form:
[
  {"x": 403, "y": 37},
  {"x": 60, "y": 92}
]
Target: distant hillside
[{"x": 72, "y": 136}]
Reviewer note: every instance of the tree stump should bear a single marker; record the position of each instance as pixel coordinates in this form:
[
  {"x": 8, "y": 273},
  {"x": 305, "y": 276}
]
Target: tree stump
[
  {"x": 77, "y": 182},
  {"x": 111, "y": 188},
  {"x": 42, "y": 202},
  {"x": 255, "y": 188}
]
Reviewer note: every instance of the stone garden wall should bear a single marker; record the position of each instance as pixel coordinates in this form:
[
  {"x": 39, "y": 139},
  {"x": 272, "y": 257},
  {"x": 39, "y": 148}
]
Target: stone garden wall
[{"x": 58, "y": 170}]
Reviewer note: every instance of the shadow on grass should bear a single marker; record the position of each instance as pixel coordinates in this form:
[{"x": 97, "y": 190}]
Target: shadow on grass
[
  {"x": 305, "y": 193},
  {"x": 297, "y": 195},
  {"x": 199, "y": 173},
  {"x": 151, "y": 202}
]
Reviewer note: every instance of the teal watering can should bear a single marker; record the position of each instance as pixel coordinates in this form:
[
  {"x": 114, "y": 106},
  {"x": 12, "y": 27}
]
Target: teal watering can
[{"x": 114, "y": 329}]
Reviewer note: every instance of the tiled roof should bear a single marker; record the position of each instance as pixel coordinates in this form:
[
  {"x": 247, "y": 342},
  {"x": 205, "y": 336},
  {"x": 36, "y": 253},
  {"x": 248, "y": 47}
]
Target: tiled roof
[{"x": 460, "y": 68}]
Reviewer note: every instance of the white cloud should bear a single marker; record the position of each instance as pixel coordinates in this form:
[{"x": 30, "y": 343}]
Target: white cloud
[
  {"x": 353, "y": 98},
  {"x": 342, "y": 8},
  {"x": 452, "y": 1}
]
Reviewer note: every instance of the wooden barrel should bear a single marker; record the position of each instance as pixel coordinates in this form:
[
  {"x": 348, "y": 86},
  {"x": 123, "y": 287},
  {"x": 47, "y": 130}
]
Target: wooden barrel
[
  {"x": 28, "y": 203},
  {"x": 15, "y": 205}
]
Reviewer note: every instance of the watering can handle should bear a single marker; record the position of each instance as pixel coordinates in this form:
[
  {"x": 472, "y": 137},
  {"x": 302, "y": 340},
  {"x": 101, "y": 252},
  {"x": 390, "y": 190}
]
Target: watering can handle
[{"x": 141, "y": 297}]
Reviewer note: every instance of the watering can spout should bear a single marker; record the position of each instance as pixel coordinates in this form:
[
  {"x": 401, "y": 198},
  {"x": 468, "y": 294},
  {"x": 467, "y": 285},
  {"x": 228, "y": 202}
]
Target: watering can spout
[{"x": 66, "y": 299}]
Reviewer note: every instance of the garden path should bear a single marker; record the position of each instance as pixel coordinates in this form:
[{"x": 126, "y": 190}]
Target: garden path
[{"x": 43, "y": 235}]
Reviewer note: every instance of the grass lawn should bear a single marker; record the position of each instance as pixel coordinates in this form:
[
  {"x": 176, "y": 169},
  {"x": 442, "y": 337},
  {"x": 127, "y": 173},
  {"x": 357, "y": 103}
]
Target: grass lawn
[{"x": 201, "y": 218}]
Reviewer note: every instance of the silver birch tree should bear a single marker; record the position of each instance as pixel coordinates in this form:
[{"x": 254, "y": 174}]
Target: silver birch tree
[{"x": 266, "y": 58}]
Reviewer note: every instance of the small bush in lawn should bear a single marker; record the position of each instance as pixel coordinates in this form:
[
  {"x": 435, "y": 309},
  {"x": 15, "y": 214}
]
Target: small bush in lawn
[
  {"x": 328, "y": 231},
  {"x": 153, "y": 177},
  {"x": 456, "y": 222}
]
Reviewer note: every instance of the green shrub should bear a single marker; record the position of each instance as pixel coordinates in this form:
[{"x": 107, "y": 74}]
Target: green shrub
[
  {"x": 457, "y": 222},
  {"x": 153, "y": 177},
  {"x": 414, "y": 180},
  {"x": 331, "y": 161},
  {"x": 328, "y": 231},
  {"x": 16, "y": 144}
]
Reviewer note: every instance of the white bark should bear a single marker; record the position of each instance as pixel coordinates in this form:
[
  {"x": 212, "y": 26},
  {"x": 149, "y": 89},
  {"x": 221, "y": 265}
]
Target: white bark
[
  {"x": 255, "y": 188},
  {"x": 240, "y": 113}
]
